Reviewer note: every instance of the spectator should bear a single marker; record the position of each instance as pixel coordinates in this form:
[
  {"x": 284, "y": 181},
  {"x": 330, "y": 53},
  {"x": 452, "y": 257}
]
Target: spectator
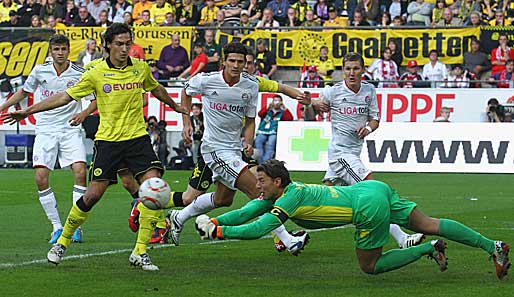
[
  {"x": 396, "y": 54},
  {"x": 508, "y": 7},
  {"x": 198, "y": 64},
  {"x": 313, "y": 79},
  {"x": 221, "y": 25},
  {"x": 266, "y": 61},
  {"x": 208, "y": 14},
  {"x": 310, "y": 21},
  {"x": 104, "y": 19},
  {"x": 245, "y": 26},
  {"x": 397, "y": 22},
  {"x": 117, "y": 11},
  {"x": 444, "y": 115},
  {"x": 385, "y": 20},
  {"x": 359, "y": 20},
  {"x": 448, "y": 20},
  {"x": 301, "y": 7},
  {"x": 459, "y": 78},
  {"x": 5, "y": 7},
  {"x": 507, "y": 117},
  {"x": 70, "y": 13},
  {"x": 435, "y": 71},
  {"x": 505, "y": 76},
  {"x": 171, "y": 20},
  {"x": 419, "y": 13},
  {"x": 499, "y": 19},
  {"x": 136, "y": 51},
  {"x": 157, "y": 132},
  {"x": 334, "y": 20},
  {"x": 83, "y": 19},
  {"x": 188, "y": 14},
  {"x": 279, "y": 9},
  {"x": 95, "y": 7},
  {"x": 173, "y": 59},
  {"x": 411, "y": 78},
  {"x": 232, "y": 12},
  {"x": 51, "y": 8},
  {"x": 137, "y": 11},
  {"x": 213, "y": 52},
  {"x": 146, "y": 20},
  {"x": 292, "y": 20},
  {"x": 325, "y": 65},
  {"x": 395, "y": 9},
  {"x": 89, "y": 54},
  {"x": 266, "y": 135},
  {"x": 385, "y": 70},
  {"x": 198, "y": 128},
  {"x": 437, "y": 12},
  {"x": 159, "y": 10},
  {"x": 501, "y": 54},
  {"x": 29, "y": 8},
  {"x": 127, "y": 18},
  {"x": 35, "y": 22},
  {"x": 476, "y": 61},
  {"x": 53, "y": 24},
  {"x": 370, "y": 10},
  {"x": 466, "y": 8},
  {"x": 255, "y": 9},
  {"x": 13, "y": 21},
  {"x": 475, "y": 19},
  {"x": 267, "y": 20}
]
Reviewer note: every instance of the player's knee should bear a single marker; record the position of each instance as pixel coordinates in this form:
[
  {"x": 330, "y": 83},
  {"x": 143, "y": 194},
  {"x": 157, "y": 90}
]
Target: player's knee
[
  {"x": 223, "y": 201},
  {"x": 368, "y": 268},
  {"x": 41, "y": 181}
]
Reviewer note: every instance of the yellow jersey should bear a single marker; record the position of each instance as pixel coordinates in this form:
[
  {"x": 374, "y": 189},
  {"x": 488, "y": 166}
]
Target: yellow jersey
[
  {"x": 118, "y": 96},
  {"x": 326, "y": 66},
  {"x": 266, "y": 85},
  {"x": 159, "y": 14}
]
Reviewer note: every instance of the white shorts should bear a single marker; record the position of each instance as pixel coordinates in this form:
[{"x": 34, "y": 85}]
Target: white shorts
[
  {"x": 347, "y": 170},
  {"x": 67, "y": 145},
  {"x": 226, "y": 166}
]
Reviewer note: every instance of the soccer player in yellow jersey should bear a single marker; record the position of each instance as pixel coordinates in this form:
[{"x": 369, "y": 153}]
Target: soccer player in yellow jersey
[{"x": 118, "y": 83}]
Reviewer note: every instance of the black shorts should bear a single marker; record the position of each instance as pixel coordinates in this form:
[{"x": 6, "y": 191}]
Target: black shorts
[
  {"x": 137, "y": 155},
  {"x": 201, "y": 177}
]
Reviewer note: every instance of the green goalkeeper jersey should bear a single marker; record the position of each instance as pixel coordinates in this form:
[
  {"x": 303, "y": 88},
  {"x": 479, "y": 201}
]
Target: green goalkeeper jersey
[{"x": 309, "y": 206}]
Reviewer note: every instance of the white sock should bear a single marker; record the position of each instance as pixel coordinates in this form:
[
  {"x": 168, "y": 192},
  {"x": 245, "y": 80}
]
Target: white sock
[
  {"x": 397, "y": 233},
  {"x": 49, "y": 204},
  {"x": 78, "y": 191},
  {"x": 203, "y": 204},
  {"x": 283, "y": 235}
]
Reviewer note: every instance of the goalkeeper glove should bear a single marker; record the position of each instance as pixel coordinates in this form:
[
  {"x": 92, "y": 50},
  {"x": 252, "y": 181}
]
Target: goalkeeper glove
[{"x": 205, "y": 227}]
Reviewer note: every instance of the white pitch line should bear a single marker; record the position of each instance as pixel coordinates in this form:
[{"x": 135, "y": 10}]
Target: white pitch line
[{"x": 120, "y": 251}]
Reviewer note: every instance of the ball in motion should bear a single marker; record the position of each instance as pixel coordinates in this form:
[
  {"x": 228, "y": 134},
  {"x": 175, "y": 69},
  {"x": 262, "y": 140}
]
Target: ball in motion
[{"x": 154, "y": 193}]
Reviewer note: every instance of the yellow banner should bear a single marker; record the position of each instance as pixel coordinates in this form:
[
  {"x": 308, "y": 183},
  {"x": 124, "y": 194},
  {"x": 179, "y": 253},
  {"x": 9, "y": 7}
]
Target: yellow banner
[
  {"x": 294, "y": 48},
  {"x": 152, "y": 39}
]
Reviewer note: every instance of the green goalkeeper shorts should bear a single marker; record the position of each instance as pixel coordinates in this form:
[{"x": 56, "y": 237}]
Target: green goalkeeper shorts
[{"x": 375, "y": 206}]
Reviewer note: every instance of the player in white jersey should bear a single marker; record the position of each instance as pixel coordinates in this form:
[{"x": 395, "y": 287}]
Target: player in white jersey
[
  {"x": 55, "y": 135},
  {"x": 354, "y": 115},
  {"x": 228, "y": 97}
]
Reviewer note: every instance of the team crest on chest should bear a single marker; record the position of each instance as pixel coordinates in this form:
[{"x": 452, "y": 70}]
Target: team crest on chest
[
  {"x": 367, "y": 99},
  {"x": 136, "y": 72},
  {"x": 71, "y": 83},
  {"x": 245, "y": 95}
]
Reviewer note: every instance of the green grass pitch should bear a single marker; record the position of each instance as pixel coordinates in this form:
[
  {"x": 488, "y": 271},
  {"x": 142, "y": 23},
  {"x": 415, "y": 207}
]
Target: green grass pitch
[{"x": 327, "y": 267}]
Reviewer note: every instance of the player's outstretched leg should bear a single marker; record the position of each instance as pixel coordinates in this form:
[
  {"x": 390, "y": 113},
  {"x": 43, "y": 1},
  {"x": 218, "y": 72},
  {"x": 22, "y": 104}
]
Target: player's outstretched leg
[
  {"x": 148, "y": 219},
  {"x": 403, "y": 239}
]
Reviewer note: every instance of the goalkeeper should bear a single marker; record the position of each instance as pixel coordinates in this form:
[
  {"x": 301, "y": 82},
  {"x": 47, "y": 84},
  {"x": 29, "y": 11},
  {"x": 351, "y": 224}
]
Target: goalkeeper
[{"x": 369, "y": 205}]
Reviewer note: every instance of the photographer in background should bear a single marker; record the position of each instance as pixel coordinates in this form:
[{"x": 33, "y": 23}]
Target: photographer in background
[
  {"x": 493, "y": 111},
  {"x": 197, "y": 123},
  {"x": 157, "y": 132}
]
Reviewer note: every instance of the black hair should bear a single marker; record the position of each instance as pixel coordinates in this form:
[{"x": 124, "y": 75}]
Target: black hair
[
  {"x": 275, "y": 169},
  {"x": 353, "y": 57},
  {"x": 59, "y": 39},
  {"x": 114, "y": 30},
  {"x": 234, "y": 48},
  {"x": 433, "y": 51},
  {"x": 493, "y": 101}
]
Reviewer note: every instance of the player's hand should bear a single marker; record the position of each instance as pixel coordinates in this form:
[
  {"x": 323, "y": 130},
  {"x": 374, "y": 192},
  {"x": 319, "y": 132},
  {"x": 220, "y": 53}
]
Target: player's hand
[
  {"x": 187, "y": 131},
  {"x": 324, "y": 106},
  {"x": 15, "y": 116},
  {"x": 304, "y": 98},
  {"x": 77, "y": 119},
  {"x": 362, "y": 132},
  {"x": 205, "y": 227},
  {"x": 248, "y": 149}
]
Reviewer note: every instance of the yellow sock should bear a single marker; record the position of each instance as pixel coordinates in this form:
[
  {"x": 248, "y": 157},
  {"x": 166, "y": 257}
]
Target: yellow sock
[
  {"x": 170, "y": 203},
  {"x": 148, "y": 220},
  {"x": 76, "y": 217}
]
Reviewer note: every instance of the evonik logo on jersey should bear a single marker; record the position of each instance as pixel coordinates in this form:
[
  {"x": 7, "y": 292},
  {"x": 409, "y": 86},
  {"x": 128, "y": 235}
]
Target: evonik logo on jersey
[
  {"x": 399, "y": 151},
  {"x": 107, "y": 88},
  {"x": 226, "y": 107}
]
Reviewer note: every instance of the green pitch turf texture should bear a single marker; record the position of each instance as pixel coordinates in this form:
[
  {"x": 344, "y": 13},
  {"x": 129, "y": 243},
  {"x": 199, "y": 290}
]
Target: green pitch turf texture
[{"x": 328, "y": 266}]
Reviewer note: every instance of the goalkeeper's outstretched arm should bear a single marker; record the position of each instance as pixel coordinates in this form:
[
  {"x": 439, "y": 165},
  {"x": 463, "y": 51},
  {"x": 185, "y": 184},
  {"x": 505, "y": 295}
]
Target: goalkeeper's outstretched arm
[
  {"x": 251, "y": 210},
  {"x": 265, "y": 224}
]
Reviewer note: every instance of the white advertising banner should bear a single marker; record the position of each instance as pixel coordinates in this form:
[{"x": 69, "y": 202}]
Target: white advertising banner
[
  {"x": 396, "y": 105},
  {"x": 406, "y": 147}
]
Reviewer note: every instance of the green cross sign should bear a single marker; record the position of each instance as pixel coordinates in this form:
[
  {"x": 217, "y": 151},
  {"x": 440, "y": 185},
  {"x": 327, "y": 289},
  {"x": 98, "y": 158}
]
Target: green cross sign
[{"x": 311, "y": 144}]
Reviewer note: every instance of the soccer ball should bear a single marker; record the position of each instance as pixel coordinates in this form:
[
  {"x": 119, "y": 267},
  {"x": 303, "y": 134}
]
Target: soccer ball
[{"x": 154, "y": 193}]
